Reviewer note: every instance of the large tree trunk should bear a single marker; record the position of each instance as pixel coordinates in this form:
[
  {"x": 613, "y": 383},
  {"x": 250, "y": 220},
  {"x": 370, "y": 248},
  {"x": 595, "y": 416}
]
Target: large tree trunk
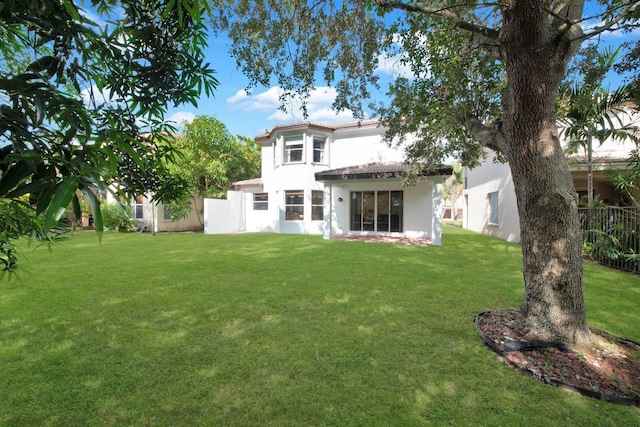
[{"x": 553, "y": 305}]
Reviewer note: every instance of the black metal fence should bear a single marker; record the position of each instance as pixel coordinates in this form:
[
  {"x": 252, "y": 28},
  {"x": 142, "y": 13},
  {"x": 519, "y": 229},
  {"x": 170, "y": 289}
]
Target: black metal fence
[{"x": 612, "y": 236}]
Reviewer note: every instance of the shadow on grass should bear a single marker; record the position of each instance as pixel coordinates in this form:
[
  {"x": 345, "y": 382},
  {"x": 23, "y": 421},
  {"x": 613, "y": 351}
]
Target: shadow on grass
[{"x": 259, "y": 329}]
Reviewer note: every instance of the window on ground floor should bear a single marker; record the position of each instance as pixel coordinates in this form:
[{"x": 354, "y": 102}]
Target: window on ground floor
[
  {"x": 138, "y": 208},
  {"x": 261, "y": 201},
  {"x": 166, "y": 212},
  {"x": 493, "y": 208},
  {"x": 317, "y": 205},
  {"x": 294, "y": 205},
  {"x": 380, "y": 211}
]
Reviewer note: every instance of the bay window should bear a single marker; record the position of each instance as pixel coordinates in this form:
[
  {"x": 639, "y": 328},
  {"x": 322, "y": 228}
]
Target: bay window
[{"x": 294, "y": 150}]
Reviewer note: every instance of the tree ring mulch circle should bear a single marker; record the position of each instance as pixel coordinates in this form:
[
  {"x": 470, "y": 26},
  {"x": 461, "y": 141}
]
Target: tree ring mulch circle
[{"x": 610, "y": 372}]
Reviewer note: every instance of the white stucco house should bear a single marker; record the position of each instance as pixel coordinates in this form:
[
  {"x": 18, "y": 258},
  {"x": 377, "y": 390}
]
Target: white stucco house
[
  {"x": 490, "y": 205},
  {"x": 331, "y": 180}
]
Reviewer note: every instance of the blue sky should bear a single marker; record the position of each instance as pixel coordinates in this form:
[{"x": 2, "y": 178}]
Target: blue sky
[{"x": 253, "y": 114}]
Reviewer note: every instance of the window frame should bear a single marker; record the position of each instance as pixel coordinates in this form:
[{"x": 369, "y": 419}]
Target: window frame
[
  {"x": 294, "y": 211},
  {"x": 264, "y": 202},
  {"x": 291, "y": 141},
  {"x": 493, "y": 214},
  {"x": 322, "y": 156},
  {"x": 315, "y": 206},
  {"x": 137, "y": 207},
  {"x": 166, "y": 212}
]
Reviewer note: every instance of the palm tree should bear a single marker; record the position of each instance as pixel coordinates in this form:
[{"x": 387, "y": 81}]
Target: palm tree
[
  {"x": 452, "y": 187},
  {"x": 595, "y": 116}
]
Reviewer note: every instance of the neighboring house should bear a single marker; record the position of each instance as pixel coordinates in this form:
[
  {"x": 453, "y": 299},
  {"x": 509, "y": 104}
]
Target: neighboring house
[
  {"x": 490, "y": 200},
  {"x": 155, "y": 217},
  {"x": 331, "y": 180},
  {"x": 455, "y": 212},
  {"x": 489, "y": 196},
  {"x": 152, "y": 216}
]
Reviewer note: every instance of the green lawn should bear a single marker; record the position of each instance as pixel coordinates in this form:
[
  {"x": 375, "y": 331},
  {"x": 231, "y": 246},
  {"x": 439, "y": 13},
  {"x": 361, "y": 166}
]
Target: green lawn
[{"x": 281, "y": 330}]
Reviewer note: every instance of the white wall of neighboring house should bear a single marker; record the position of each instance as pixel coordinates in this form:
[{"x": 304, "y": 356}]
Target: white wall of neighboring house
[
  {"x": 153, "y": 214},
  {"x": 491, "y": 179}
]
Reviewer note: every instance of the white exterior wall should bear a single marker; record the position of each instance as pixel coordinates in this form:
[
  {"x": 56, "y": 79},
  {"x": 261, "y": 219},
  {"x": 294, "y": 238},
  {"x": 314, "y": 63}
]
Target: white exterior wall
[
  {"x": 345, "y": 147},
  {"x": 487, "y": 178},
  {"x": 357, "y": 147},
  {"x": 418, "y": 206},
  {"x": 223, "y": 216}
]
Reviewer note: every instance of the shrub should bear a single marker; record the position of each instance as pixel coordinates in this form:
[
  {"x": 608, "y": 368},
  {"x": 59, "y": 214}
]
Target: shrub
[{"x": 115, "y": 217}]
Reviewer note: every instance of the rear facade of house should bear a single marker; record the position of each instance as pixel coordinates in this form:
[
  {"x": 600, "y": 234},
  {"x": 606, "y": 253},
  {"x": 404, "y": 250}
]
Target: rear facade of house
[{"x": 331, "y": 180}]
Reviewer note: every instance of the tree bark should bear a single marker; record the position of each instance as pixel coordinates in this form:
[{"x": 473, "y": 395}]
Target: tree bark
[{"x": 535, "y": 58}]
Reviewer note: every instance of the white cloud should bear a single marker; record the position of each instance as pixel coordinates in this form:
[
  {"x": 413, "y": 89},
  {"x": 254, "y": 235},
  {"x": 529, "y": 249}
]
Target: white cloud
[
  {"x": 393, "y": 66},
  {"x": 617, "y": 34},
  {"x": 99, "y": 97},
  {"x": 319, "y": 105},
  {"x": 265, "y": 101},
  {"x": 180, "y": 117}
]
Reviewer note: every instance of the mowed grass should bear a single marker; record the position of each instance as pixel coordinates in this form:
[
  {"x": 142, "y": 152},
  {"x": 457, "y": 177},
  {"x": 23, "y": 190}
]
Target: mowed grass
[{"x": 280, "y": 330}]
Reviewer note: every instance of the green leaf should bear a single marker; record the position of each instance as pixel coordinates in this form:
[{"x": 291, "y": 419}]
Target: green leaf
[
  {"x": 61, "y": 199},
  {"x": 77, "y": 210},
  {"x": 13, "y": 176},
  {"x": 30, "y": 188},
  {"x": 94, "y": 203},
  {"x": 71, "y": 10}
]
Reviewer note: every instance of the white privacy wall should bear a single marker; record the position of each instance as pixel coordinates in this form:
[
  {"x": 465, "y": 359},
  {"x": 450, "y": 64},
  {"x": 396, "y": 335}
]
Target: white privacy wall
[
  {"x": 487, "y": 178},
  {"x": 223, "y": 216}
]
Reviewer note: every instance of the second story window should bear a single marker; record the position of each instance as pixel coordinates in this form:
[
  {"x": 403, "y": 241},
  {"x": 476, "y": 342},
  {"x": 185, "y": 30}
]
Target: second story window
[
  {"x": 319, "y": 149},
  {"x": 293, "y": 150}
]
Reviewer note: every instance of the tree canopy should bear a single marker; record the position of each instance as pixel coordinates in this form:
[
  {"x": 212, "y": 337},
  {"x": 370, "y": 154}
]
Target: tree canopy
[
  {"x": 209, "y": 159},
  {"x": 454, "y": 50},
  {"x": 483, "y": 75},
  {"x": 83, "y": 93}
]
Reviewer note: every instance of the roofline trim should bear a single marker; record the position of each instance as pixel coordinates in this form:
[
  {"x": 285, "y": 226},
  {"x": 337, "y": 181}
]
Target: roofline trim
[{"x": 264, "y": 138}]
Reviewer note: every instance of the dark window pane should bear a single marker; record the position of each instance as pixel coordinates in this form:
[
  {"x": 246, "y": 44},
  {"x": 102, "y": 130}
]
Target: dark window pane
[
  {"x": 356, "y": 211},
  {"x": 261, "y": 201}
]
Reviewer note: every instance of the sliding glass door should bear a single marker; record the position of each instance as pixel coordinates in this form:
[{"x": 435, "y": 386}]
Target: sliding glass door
[{"x": 376, "y": 211}]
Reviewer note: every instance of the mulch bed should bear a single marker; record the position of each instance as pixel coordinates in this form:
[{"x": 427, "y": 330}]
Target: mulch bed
[{"x": 610, "y": 372}]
